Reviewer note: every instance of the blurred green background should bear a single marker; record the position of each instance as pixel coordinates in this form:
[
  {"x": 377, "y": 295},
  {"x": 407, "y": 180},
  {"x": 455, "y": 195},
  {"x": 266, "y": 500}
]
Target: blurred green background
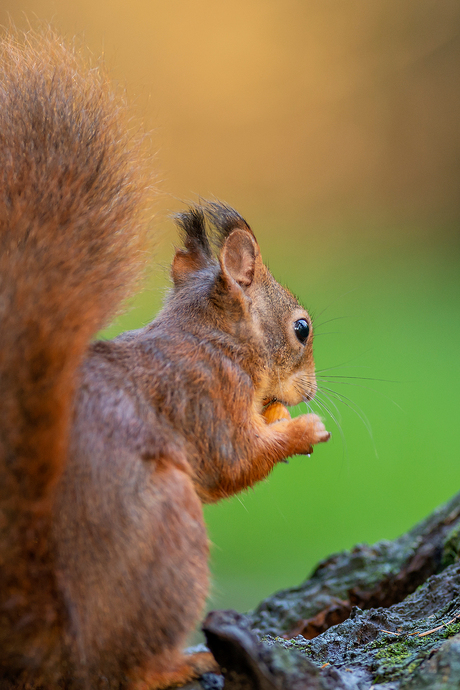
[{"x": 334, "y": 129}]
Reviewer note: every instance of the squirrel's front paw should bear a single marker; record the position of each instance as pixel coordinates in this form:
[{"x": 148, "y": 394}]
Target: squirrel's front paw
[{"x": 311, "y": 431}]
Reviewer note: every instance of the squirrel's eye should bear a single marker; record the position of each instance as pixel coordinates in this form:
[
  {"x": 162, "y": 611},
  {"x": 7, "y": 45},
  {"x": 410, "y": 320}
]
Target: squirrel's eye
[{"x": 302, "y": 329}]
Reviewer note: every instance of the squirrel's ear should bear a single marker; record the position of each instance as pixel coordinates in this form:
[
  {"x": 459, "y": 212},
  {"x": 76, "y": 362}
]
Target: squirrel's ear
[
  {"x": 185, "y": 263},
  {"x": 238, "y": 257}
]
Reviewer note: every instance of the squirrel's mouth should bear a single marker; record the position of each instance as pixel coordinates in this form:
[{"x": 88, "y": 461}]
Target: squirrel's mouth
[
  {"x": 268, "y": 401},
  {"x": 306, "y": 397},
  {"x": 292, "y": 390}
]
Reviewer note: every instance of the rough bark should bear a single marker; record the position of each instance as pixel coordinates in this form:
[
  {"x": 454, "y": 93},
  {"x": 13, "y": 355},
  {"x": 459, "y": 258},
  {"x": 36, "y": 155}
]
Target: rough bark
[{"x": 385, "y": 617}]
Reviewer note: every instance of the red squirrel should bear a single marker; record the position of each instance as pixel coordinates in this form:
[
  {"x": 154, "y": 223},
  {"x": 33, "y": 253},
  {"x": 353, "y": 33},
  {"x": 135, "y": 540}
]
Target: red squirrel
[{"x": 109, "y": 448}]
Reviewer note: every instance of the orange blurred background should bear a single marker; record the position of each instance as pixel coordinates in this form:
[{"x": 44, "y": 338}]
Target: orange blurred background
[{"x": 326, "y": 108}]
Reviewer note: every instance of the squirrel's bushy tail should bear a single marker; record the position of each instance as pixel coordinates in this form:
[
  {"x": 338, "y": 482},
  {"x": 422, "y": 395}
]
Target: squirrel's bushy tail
[{"x": 72, "y": 239}]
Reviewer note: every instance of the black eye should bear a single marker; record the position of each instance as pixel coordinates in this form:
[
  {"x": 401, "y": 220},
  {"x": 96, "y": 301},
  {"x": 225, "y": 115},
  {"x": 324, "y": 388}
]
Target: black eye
[{"x": 302, "y": 329}]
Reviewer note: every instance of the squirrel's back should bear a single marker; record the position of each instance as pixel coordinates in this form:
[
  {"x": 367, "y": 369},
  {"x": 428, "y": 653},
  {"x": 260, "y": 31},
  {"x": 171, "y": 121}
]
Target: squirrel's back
[
  {"x": 108, "y": 451},
  {"x": 72, "y": 240}
]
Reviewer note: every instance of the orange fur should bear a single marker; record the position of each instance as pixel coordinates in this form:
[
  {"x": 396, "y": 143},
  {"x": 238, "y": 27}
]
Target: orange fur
[{"x": 108, "y": 449}]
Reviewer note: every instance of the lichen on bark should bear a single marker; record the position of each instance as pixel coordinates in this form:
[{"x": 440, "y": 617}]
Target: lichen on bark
[{"x": 385, "y": 617}]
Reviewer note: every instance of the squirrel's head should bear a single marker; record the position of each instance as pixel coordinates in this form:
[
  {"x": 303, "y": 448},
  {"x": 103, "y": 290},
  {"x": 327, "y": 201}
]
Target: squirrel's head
[{"x": 238, "y": 295}]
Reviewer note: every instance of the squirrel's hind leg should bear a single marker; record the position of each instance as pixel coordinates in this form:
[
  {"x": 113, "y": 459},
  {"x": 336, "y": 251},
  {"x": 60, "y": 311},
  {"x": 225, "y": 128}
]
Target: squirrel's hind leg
[{"x": 172, "y": 669}]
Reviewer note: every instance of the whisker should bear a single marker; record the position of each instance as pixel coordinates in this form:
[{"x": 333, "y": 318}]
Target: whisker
[
  {"x": 354, "y": 366},
  {"x": 363, "y": 378},
  {"x": 322, "y": 404},
  {"x": 336, "y": 318},
  {"x": 357, "y": 410},
  {"x": 243, "y": 504},
  {"x": 367, "y": 388},
  {"x": 326, "y": 333},
  {"x": 344, "y": 294},
  {"x": 339, "y": 416}
]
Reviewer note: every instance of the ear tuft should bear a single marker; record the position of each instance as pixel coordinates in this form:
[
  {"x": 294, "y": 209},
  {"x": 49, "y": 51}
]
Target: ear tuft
[
  {"x": 197, "y": 252},
  {"x": 238, "y": 257},
  {"x": 192, "y": 227},
  {"x": 230, "y": 234},
  {"x": 224, "y": 219}
]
